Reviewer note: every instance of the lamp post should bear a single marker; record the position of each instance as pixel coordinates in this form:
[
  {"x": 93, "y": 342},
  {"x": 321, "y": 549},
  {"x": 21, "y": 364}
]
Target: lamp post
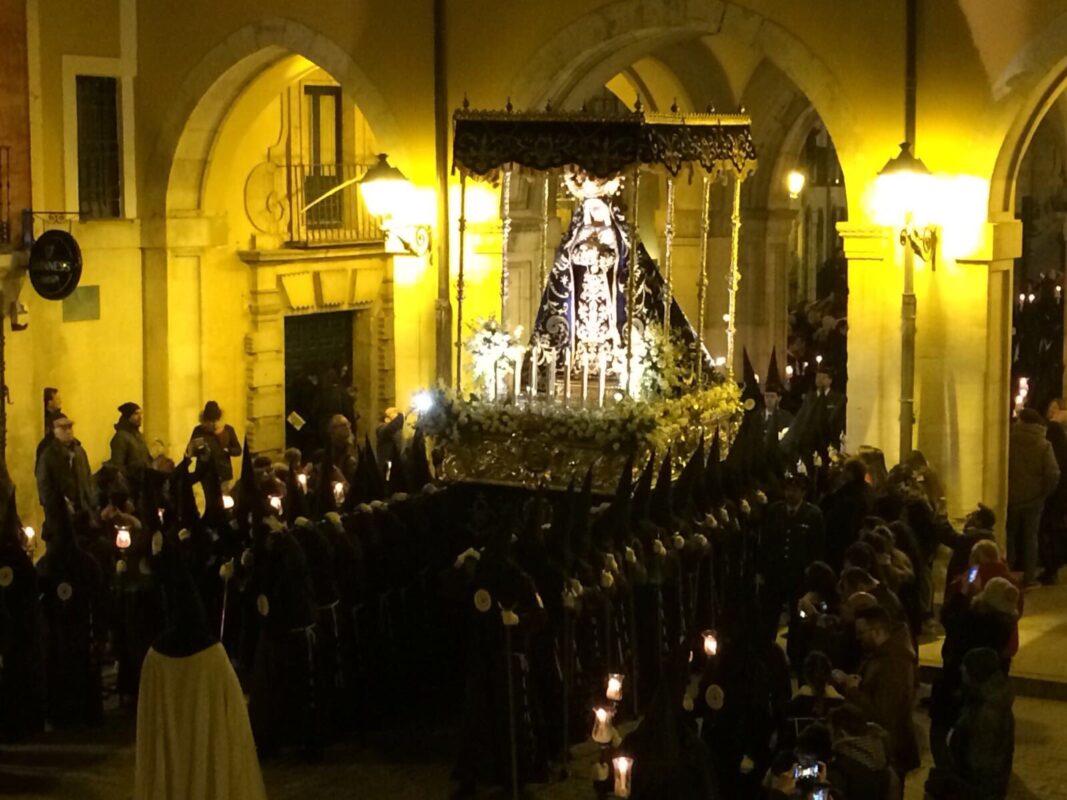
[
  {"x": 903, "y": 182},
  {"x": 387, "y": 193}
]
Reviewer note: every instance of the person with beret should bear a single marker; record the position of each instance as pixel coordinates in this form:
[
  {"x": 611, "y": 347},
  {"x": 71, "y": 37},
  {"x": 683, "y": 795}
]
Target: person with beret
[{"x": 129, "y": 452}]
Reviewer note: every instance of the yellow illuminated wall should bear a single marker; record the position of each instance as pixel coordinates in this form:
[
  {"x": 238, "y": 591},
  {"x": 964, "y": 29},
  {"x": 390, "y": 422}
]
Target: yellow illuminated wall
[{"x": 174, "y": 298}]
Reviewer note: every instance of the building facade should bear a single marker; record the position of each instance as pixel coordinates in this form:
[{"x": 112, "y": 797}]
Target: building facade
[{"x": 180, "y": 144}]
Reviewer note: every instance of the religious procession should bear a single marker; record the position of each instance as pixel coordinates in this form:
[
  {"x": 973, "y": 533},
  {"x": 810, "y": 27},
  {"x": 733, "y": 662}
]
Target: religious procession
[{"x": 605, "y": 540}]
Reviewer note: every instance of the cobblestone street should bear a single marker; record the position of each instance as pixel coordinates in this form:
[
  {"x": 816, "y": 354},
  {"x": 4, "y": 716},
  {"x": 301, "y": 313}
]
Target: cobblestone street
[{"x": 415, "y": 765}]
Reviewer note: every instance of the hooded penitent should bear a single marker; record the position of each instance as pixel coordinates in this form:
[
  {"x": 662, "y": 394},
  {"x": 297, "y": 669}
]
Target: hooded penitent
[{"x": 193, "y": 736}]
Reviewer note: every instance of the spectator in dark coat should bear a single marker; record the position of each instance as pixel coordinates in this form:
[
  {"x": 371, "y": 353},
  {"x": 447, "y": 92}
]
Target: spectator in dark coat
[
  {"x": 978, "y": 526},
  {"x": 215, "y": 441},
  {"x": 845, "y": 509},
  {"x": 129, "y": 452},
  {"x": 982, "y": 742},
  {"x": 52, "y": 410},
  {"x": 64, "y": 482},
  {"x": 1054, "y": 515},
  {"x": 885, "y": 688},
  {"x": 1032, "y": 476}
]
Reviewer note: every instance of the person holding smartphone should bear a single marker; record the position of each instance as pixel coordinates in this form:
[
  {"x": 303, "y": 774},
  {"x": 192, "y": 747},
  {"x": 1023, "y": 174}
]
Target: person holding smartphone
[{"x": 215, "y": 441}]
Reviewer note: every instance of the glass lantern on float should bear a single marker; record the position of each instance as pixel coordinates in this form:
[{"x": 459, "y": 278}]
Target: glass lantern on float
[
  {"x": 122, "y": 537},
  {"x": 602, "y": 727},
  {"x": 623, "y": 775},
  {"x": 710, "y": 641}
]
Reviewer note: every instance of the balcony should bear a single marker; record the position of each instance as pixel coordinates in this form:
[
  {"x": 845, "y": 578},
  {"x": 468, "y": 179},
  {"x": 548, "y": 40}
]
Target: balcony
[{"x": 326, "y": 208}]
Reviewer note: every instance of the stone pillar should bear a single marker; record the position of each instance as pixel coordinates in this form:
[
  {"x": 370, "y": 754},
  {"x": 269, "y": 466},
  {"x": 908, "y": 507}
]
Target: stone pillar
[
  {"x": 265, "y": 347},
  {"x": 875, "y": 285}
]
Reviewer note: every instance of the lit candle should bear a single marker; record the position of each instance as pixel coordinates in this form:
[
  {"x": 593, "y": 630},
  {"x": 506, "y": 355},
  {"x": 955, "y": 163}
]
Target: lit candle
[
  {"x": 567, "y": 366},
  {"x": 122, "y": 537},
  {"x": 29, "y": 533},
  {"x": 338, "y": 492},
  {"x": 603, "y": 366},
  {"x": 276, "y": 503},
  {"x": 585, "y": 379},
  {"x": 552, "y": 374},
  {"x": 535, "y": 354},
  {"x": 518, "y": 374},
  {"x": 623, "y": 774},
  {"x": 496, "y": 378},
  {"x": 614, "y": 690},
  {"x": 602, "y": 730},
  {"x": 227, "y": 502},
  {"x": 711, "y": 643},
  {"x": 302, "y": 481}
]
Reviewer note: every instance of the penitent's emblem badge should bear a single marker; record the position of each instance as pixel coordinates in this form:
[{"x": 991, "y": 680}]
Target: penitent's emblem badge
[
  {"x": 483, "y": 601},
  {"x": 714, "y": 697},
  {"x": 263, "y": 605},
  {"x": 7, "y": 577},
  {"x": 64, "y": 591}
]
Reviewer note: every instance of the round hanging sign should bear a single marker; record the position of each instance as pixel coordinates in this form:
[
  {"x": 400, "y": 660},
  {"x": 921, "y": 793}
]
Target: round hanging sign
[{"x": 55, "y": 265}]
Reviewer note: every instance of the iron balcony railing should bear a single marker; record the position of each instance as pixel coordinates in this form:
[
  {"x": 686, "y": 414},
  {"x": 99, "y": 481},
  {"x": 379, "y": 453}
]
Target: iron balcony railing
[{"x": 326, "y": 207}]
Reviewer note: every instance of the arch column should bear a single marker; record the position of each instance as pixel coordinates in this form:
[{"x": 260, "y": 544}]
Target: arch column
[{"x": 963, "y": 345}]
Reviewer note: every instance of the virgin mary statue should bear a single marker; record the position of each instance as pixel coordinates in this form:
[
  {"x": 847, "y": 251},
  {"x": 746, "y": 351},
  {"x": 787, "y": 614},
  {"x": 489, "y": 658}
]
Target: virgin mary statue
[{"x": 583, "y": 308}]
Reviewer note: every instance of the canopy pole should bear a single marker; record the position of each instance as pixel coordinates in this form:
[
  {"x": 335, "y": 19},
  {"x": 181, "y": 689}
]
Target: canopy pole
[
  {"x": 505, "y": 278},
  {"x": 459, "y": 281},
  {"x": 631, "y": 286},
  {"x": 735, "y": 275},
  {"x": 543, "y": 274},
  {"x": 668, "y": 235},
  {"x": 702, "y": 282}
]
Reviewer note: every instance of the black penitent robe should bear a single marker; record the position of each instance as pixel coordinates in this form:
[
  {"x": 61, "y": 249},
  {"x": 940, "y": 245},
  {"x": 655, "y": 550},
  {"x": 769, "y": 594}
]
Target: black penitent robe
[
  {"x": 72, "y": 590},
  {"x": 21, "y": 648}
]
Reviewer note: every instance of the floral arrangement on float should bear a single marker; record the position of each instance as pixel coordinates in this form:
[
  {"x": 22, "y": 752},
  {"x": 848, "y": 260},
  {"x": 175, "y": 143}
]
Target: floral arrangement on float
[{"x": 500, "y": 433}]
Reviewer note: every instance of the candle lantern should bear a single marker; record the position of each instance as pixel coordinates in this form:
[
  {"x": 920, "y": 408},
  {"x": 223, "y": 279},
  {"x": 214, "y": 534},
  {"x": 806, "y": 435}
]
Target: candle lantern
[
  {"x": 122, "y": 537},
  {"x": 338, "y": 492},
  {"x": 29, "y": 533},
  {"x": 624, "y": 769},
  {"x": 602, "y": 730},
  {"x": 302, "y": 481},
  {"x": 711, "y": 643},
  {"x": 276, "y": 503},
  {"x": 614, "y": 690},
  {"x": 227, "y": 502}
]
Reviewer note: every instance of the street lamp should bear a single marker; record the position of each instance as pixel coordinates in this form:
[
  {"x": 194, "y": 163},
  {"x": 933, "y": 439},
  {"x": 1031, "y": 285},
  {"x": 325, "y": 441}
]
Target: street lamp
[
  {"x": 903, "y": 185},
  {"x": 794, "y": 182},
  {"x": 387, "y": 193}
]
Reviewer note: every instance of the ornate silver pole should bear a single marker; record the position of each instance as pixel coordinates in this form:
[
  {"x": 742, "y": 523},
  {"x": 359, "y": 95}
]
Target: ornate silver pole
[
  {"x": 668, "y": 234},
  {"x": 543, "y": 275},
  {"x": 459, "y": 282},
  {"x": 505, "y": 288},
  {"x": 631, "y": 285},
  {"x": 735, "y": 275},
  {"x": 702, "y": 278}
]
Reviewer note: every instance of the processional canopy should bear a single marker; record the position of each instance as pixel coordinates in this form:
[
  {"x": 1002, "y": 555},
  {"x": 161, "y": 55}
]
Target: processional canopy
[{"x": 602, "y": 145}]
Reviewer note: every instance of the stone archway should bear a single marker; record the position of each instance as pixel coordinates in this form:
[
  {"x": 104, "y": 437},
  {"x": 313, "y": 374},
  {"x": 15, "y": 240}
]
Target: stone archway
[
  {"x": 184, "y": 241},
  {"x": 590, "y": 46},
  {"x": 175, "y": 173}
]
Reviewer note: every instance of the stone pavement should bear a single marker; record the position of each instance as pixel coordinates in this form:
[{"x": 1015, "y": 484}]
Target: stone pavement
[{"x": 414, "y": 765}]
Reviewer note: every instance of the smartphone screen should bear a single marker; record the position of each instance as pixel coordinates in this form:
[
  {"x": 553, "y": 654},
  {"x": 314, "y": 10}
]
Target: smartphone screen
[
  {"x": 819, "y": 794},
  {"x": 972, "y": 575}
]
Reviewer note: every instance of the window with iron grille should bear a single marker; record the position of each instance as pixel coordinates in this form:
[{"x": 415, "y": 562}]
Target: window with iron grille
[{"x": 99, "y": 147}]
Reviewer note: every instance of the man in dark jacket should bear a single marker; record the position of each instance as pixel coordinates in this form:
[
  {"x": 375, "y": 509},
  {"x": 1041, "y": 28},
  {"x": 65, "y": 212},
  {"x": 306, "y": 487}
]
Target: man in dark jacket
[
  {"x": 1054, "y": 515},
  {"x": 845, "y": 509},
  {"x": 1032, "y": 477},
  {"x": 792, "y": 538},
  {"x": 982, "y": 742},
  {"x": 52, "y": 410},
  {"x": 129, "y": 452},
  {"x": 63, "y": 477},
  {"x": 885, "y": 688}
]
